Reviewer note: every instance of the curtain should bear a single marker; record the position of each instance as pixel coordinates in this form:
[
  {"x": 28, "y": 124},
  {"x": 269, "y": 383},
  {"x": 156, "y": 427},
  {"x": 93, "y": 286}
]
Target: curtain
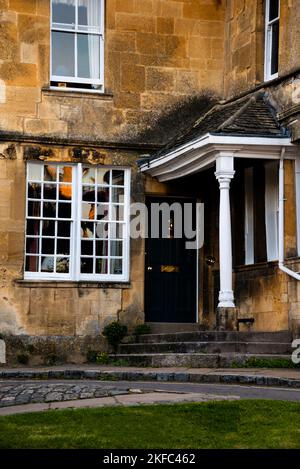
[{"x": 93, "y": 21}]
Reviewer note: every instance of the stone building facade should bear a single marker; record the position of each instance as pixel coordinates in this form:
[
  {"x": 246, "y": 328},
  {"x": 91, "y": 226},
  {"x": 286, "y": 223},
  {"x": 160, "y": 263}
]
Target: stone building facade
[{"x": 163, "y": 65}]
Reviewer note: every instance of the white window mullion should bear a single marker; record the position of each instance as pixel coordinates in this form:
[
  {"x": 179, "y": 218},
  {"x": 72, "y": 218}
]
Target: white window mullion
[{"x": 271, "y": 209}]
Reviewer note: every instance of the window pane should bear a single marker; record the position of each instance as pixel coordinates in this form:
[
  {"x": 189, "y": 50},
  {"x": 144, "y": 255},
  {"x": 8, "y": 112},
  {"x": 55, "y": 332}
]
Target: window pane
[
  {"x": 48, "y": 228},
  {"x": 63, "y": 12},
  {"x": 87, "y": 248},
  {"x": 65, "y": 191},
  {"x": 102, "y": 230},
  {"x": 34, "y": 190},
  {"x": 274, "y": 9},
  {"x": 88, "y": 193},
  {"x": 33, "y": 227},
  {"x": 89, "y": 14},
  {"x": 101, "y": 248},
  {"x": 116, "y": 248},
  {"x": 275, "y": 47},
  {"x": 88, "y": 211},
  {"x": 32, "y": 264},
  {"x": 117, "y": 212},
  {"x": 62, "y": 265},
  {"x": 64, "y": 210},
  {"x": 116, "y": 231},
  {"x": 116, "y": 266},
  {"x": 47, "y": 264},
  {"x": 64, "y": 229},
  {"x": 65, "y": 174},
  {"x": 103, "y": 194},
  {"x": 117, "y": 178},
  {"x": 86, "y": 265},
  {"x": 63, "y": 246},
  {"x": 32, "y": 245},
  {"x": 63, "y": 54},
  {"x": 88, "y": 175},
  {"x": 50, "y": 191},
  {"x": 87, "y": 230},
  {"x": 49, "y": 210},
  {"x": 48, "y": 246},
  {"x": 34, "y": 209},
  {"x": 102, "y": 211},
  {"x": 117, "y": 195},
  {"x": 34, "y": 172},
  {"x": 50, "y": 173},
  {"x": 101, "y": 266},
  {"x": 88, "y": 55},
  {"x": 103, "y": 176}
]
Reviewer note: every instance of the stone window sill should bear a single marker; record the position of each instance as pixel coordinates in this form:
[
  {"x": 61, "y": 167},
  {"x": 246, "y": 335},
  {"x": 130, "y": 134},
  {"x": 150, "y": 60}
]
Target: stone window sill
[
  {"x": 50, "y": 91},
  {"x": 70, "y": 284}
]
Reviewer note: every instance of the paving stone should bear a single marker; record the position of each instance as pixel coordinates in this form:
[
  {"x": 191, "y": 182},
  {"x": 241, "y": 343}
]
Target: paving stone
[{"x": 54, "y": 396}]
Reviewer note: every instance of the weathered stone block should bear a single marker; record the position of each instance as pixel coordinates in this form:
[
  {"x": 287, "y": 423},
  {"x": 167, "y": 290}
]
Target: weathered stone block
[
  {"x": 160, "y": 79},
  {"x": 133, "y": 78},
  {"x": 165, "y": 25},
  {"x": 126, "y": 22}
]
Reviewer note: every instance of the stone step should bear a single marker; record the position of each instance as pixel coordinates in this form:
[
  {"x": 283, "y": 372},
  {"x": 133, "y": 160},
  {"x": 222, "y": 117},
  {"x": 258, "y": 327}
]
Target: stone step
[
  {"x": 278, "y": 348},
  {"x": 195, "y": 360},
  {"x": 219, "y": 336}
]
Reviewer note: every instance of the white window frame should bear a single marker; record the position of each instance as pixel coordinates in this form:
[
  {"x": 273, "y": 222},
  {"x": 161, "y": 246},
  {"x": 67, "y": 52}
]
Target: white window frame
[
  {"x": 75, "y": 235},
  {"x": 77, "y": 80},
  {"x": 268, "y": 41},
  {"x": 271, "y": 209}
]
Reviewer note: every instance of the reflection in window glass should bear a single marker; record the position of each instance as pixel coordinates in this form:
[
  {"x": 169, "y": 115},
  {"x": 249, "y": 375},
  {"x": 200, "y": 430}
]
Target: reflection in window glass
[
  {"x": 34, "y": 190},
  {"x": 63, "y": 12},
  {"x": 63, "y": 62},
  {"x": 89, "y": 14},
  {"x": 103, "y": 176},
  {"x": 53, "y": 242},
  {"x": 116, "y": 266},
  {"x": 88, "y": 56}
]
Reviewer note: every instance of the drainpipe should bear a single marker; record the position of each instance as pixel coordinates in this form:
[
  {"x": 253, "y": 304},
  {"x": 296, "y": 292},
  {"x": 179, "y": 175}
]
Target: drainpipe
[{"x": 281, "y": 221}]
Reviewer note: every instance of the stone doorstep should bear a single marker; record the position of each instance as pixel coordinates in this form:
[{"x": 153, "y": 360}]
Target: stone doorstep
[
  {"x": 257, "y": 377},
  {"x": 124, "y": 400}
]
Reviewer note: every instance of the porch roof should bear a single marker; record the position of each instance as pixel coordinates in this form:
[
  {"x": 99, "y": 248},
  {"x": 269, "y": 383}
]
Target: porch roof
[{"x": 234, "y": 126}]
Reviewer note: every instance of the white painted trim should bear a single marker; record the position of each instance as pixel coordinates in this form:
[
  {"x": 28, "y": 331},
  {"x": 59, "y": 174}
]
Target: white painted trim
[
  {"x": 75, "y": 235},
  {"x": 75, "y": 31},
  {"x": 201, "y": 153},
  {"x": 268, "y": 42},
  {"x": 249, "y": 217},
  {"x": 271, "y": 209}
]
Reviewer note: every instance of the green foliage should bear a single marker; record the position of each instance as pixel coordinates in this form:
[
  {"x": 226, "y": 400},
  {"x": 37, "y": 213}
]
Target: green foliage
[
  {"x": 23, "y": 358},
  {"x": 142, "y": 329},
  {"x": 102, "y": 358},
  {"x": 115, "y": 332},
  {"x": 51, "y": 359},
  {"x": 248, "y": 424},
  {"x": 91, "y": 356},
  {"x": 1, "y": 337}
]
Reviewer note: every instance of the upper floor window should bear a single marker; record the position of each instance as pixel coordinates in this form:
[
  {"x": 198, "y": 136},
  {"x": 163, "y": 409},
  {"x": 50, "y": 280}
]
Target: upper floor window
[
  {"x": 77, "y": 47},
  {"x": 271, "y": 38},
  {"x": 77, "y": 222}
]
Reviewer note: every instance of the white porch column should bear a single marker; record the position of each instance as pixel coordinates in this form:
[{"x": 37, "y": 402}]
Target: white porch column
[{"x": 224, "y": 173}]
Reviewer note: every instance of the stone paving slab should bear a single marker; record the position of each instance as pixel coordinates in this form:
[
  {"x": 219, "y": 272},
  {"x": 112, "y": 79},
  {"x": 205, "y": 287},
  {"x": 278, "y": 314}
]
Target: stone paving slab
[
  {"x": 121, "y": 400},
  {"x": 15, "y": 393},
  {"x": 289, "y": 378}
]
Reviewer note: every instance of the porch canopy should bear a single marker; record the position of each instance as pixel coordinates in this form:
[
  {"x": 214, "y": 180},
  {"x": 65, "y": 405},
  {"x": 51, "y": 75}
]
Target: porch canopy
[{"x": 242, "y": 128}]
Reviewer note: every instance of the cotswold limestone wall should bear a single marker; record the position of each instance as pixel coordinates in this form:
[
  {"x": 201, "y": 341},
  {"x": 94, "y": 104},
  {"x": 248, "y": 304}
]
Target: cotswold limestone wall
[
  {"x": 59, "y": 309},
  {"x": 157, "y": 53},
  {"x": 244, "y": 48}
]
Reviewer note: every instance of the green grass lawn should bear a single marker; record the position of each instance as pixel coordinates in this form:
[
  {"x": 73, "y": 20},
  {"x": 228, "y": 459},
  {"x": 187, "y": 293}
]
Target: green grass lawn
[{"x": 239, "y": 424}]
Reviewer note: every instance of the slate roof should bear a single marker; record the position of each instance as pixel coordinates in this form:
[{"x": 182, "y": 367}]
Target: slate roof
[{"x": 251, "y": 116}]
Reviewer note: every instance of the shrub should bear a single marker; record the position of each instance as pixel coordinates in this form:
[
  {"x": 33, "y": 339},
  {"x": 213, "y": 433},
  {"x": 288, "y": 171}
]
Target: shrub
[
  {"x": 23, "y": 358},
  {"x": 102, "y": 358},
  {"x": 91, "y": 356},
  {"x": 142, "y": 329},
  {"x": 114, "y": 332},
  {"x": 51, "y": 359}
]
